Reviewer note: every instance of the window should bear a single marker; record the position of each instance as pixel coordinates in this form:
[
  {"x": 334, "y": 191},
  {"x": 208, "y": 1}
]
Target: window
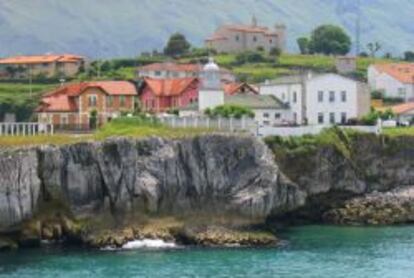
[
  {"x": 332, "y": 118},
  {"x": 265, "y": 115},
  {"x": 237, "y": 38},
  {"x": 255, "y": 39},
  {"x": 295, "y": 97},
  {"x": 283, "y": 96},
  {"x": 295, "y": 117},
  {"x": 343, "y": 96},
  {"x": 122, "y": 101},
  {"x": 320, "y": 96},
  {"x": 343, "y": 118},
  {"x": 157, "y": 73},
  {"x": 277, "y": 116},
  {"x": 92, "y": 100},
  {"x": 331, "y": 96},
  {"x": 109, "y": 101},
  {"x": 64, "y": 119},
  {"x": 321, "y": 119},
  {"x": 270, "y": 41},
  {"x": 401, "y": 92}
]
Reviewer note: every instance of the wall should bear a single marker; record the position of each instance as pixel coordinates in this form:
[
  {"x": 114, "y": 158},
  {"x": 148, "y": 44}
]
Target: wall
[
  {"x": 210, "y": 99},
  {"x": 327, "y": 83},
  {"x": 285, "y": 93}
]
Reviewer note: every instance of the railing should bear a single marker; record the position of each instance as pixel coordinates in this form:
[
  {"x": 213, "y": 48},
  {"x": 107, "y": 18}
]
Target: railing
[
  {"x": 221, "y": 124},
  {"x": 309, "y": 130},
  {"x": 25, "y": 129}
]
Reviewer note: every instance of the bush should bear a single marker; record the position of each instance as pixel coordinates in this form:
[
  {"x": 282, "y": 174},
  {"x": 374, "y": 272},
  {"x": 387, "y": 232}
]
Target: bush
[
  {"x": 250, "y": 57},
  {"x": 230, "y": 111}
]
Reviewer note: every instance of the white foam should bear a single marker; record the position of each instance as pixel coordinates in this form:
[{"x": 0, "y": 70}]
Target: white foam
[{"x": 148, "y": 243}]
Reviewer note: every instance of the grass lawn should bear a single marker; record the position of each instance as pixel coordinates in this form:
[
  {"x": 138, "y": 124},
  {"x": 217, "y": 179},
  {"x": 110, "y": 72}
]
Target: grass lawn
[
  {"x": 399, "y": 131},
  {"x": 126, "y": 127}
]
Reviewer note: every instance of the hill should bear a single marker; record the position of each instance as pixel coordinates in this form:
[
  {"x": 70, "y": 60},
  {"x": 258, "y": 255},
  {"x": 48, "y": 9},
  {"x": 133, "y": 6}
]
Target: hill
[{"x": 106, "y": 28}]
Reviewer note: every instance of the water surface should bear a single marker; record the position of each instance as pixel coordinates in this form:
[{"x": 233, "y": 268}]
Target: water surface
[{"x": 313, "y": 251}]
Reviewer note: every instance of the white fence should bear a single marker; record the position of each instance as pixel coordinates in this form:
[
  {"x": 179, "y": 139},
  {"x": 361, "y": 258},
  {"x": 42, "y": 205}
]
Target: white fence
[
  {"x": 222, "y": 124},
  {"x": 309, "y": 130},
  {"x": 249, "y": 125},
  {"x": 25, "y": 129}
]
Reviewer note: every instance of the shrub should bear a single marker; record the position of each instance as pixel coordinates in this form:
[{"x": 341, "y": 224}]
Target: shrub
[{"x": 230, "y": 111}]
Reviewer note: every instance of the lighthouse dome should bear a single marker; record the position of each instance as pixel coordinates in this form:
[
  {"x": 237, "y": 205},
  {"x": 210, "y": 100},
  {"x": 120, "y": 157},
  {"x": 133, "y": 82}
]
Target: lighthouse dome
[{"x": 211, "y": 65}]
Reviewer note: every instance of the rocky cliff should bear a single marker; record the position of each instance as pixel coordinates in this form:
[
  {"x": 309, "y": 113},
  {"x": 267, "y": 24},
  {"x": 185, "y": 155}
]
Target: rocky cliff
[{"x": 211, "y": 175}]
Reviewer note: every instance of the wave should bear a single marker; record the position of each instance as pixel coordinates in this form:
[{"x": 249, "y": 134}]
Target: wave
[{"x": 143, "y": 244}]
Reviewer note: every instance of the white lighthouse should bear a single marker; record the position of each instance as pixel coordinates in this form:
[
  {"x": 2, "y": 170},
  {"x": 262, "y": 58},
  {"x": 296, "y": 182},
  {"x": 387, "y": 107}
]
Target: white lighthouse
[{"x": 211, "y": 93}]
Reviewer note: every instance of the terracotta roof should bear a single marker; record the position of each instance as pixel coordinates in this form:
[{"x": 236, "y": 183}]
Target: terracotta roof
[
  {"x": 171, "y": 67},
  {"x": 39, "y": 59},
  {"x": 62, "y": 98},
  {"x": 247, "y": 28},
  {"x": 402, "y": 108},
  {"x": 169, "y": 87},
  {"x": 402, "y": 72},
  {"x": 216, "y": 37},
  {"x": 234, "y": 87}
]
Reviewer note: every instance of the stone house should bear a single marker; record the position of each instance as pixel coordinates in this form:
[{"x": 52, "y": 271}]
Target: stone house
[
  {"x": 238, "y": 38},
  {"x": 50, "y": 65},
  {"x": 72, "y": 106}
]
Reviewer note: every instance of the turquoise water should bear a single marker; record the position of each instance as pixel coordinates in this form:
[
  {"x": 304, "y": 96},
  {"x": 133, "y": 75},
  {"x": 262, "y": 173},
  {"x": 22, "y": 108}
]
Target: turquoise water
[{"x": 310, "y": 252}]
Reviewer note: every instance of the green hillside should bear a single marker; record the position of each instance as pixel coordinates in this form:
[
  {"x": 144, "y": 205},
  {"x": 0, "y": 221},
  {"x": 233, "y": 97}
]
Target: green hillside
[{"x": 124, "y": 28}]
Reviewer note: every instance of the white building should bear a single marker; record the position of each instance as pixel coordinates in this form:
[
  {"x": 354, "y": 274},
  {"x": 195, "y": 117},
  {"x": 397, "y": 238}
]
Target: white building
[
  {"x": 323, "y": 99},
  {"x": 268, "y": 110},
  {"x": 393, "y": 80}
]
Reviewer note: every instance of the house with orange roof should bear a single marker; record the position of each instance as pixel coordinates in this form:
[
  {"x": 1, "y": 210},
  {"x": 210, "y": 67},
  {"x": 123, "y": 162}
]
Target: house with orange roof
[
  {"x": 234, "y": 38},
  {"x": 49, "y": 65},
  {"x": 161, "y": 95},
  {"x": 393, "y": 80},
  {"x": 176, "y": 70},
  {"x": 75, "y": 105},
  {"x": 404, "y": 112}
]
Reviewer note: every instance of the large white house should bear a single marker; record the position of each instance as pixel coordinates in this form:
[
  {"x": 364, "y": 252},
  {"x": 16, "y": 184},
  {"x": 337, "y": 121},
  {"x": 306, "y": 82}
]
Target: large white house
[
  {"x": 393, "y": 80},
  {"x": 320, "y": 99}
]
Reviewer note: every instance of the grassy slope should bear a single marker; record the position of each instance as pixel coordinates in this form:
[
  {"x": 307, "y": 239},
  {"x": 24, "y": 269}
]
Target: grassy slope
[
  {"x": 16, "y": 98},
  {"x": 127, "y": 127}
]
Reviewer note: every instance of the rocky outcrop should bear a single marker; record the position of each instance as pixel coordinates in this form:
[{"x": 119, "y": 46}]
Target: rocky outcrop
[
  {"x": 393, "y": 207},
  {"x": 48, "y": 192},
  {"x": 20, "y": 187},
  {"x": 211, "y": 174}
]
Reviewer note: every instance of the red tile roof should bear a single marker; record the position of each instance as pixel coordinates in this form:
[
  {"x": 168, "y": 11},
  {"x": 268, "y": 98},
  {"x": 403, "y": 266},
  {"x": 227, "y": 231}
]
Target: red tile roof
[
  {"x": 62, "y": 99},
  {"x": 39, "y": 59},
  {"x": 233, "y": 88},
  {"x": 171, "y": 67},
  {"x": 402, "y": 72},
  {"x": 403, "y": 108},
  {"x": 169, "y": 87}
]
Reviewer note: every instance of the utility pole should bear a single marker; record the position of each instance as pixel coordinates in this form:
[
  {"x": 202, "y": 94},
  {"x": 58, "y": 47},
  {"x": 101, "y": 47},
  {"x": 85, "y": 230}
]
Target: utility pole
[{"x": 30, "y": 81}]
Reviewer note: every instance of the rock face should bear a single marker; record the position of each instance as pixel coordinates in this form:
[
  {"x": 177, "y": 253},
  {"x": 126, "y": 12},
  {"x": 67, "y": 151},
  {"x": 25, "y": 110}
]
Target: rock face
[
  {"x": 212, "y": 174},
  {"x": 394, "y": 207},
  {"x": 331, "y": 174},
  {"x": 19, "y": 187}
]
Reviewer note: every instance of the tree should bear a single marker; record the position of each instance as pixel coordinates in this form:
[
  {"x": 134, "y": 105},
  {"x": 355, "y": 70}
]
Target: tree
[
  {"x": 177, "y": 45},
  {"x": 329, "y": 40},
  {"x": 248, "y": 57},
  {"x": 373, "y": 48},
  {"x": 303, "y": 44},
  {"x": 275, "y": 52},
  {"x": 409, "y": 56}
]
